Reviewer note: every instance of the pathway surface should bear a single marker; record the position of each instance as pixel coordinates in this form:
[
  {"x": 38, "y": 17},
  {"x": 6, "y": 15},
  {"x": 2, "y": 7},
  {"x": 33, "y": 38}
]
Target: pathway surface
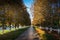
[{"x": 28, "y": 35}]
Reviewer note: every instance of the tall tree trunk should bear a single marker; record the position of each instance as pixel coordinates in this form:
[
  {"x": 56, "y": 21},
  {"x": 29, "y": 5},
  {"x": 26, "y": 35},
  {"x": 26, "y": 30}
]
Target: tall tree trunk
[
  {"x": 15, "y": 26},
  {"x": 10, "y": 25},
  {"x": 2, "y": 28}
]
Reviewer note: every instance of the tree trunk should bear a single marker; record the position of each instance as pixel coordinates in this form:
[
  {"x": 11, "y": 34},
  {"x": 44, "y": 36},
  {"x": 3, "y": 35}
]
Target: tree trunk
[
  {"x": 2, "y": 28},
  {"x": 10, "y": 25},
  {"x": 15, "y": 26}
]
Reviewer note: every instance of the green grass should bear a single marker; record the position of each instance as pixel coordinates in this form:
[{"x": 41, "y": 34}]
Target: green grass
[
  {"x": 0, "y": 31},
  {"x": 6, "y": 31},
  {"x": 13, "y": 34},
  {"x": 44, "y": 35},
  {"x": 49, "y": 37},
  {"x": 12, "y": 29}
]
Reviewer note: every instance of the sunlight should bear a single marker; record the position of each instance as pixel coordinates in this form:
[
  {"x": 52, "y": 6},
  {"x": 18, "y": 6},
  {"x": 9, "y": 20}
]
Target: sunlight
[
  {"x": 41, "y": 33},
  {"x": 28, "y": 4}
]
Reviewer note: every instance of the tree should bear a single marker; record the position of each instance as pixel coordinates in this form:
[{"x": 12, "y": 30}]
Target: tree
[
  {"x": 41, "y": 11},
  {"x": 2, "y": 17},
  {"x": 14, "y": 13}
]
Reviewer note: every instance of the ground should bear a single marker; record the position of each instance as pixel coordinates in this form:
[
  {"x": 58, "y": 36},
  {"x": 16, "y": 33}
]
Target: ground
[{"x": 28, "y": 35}]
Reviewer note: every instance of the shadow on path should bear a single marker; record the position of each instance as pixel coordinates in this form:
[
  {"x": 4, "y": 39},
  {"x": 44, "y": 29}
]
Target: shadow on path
[{"x": 28, "y": 35}]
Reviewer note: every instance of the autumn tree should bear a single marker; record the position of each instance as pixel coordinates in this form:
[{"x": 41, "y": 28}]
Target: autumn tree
[{"x": 41, "y": 12}]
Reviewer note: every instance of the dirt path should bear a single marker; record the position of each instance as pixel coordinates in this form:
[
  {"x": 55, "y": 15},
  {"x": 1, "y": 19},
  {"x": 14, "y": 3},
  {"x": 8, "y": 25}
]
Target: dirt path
[{"x": 27, "y": 35}]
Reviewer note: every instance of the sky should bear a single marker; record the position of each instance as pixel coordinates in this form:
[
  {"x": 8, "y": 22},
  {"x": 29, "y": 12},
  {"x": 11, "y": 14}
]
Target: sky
[{"x": 28, "y": 4}]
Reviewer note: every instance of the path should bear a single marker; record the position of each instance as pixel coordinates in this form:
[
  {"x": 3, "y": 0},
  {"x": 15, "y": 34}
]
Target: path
[{"x": 27, "y": 35}]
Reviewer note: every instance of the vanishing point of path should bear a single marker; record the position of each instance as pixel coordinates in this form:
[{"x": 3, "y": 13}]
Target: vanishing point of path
[{"x": 27, "y": 35}]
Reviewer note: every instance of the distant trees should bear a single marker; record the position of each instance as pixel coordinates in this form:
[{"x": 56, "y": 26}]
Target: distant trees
[{"x": 54, "y": 12}]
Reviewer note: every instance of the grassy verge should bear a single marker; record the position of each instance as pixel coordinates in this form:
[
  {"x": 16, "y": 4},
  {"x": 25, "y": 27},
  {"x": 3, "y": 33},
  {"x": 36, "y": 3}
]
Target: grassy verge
[
  {"x": 49, "y": 37},
  {"x": 43, "y": 35},
  {"x": 13, "y": 34},
  {"x": 6, "y": 31}
]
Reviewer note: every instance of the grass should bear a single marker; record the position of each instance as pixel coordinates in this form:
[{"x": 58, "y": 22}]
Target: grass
[
  {"x": 6, "y": 31},
  {"x": 13, "y": 34},
  {"x": 49, "y": 37},
  {"x": 43, "y": 35}
]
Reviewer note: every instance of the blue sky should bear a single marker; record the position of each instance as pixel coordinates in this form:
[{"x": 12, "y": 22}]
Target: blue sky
[{"x": 28, "y": 4}]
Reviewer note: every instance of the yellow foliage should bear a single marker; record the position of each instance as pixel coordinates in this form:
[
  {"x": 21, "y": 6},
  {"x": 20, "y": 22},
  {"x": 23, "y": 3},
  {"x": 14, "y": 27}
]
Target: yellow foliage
[{"x": 40, "y": 33}]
